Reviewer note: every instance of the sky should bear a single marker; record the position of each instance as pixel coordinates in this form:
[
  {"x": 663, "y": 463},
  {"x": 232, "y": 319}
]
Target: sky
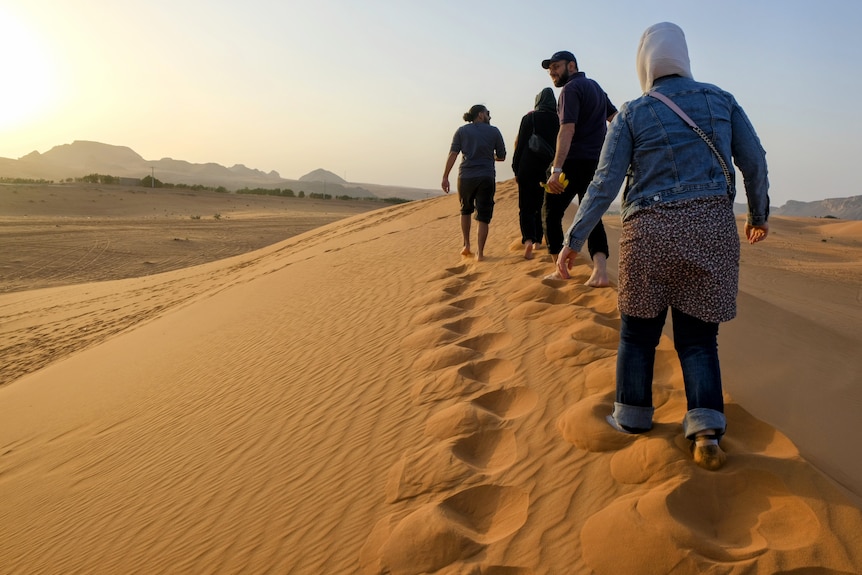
[{"x": 374, "y": 90}]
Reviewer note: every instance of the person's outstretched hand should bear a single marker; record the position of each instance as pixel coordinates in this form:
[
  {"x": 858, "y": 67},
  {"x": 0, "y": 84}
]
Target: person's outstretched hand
[
  {"x": 565, "y": 260},
  {"x": 756, "y": 233}
]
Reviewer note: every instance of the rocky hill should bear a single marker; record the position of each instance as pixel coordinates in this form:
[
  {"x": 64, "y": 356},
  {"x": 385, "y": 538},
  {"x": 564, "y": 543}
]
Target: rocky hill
[
  {"x": 844, "y": 208},
  {"x": 82, "y": 158}
]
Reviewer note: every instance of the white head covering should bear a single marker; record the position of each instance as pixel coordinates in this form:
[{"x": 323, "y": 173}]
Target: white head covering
[{"x": 662, "y": 51}]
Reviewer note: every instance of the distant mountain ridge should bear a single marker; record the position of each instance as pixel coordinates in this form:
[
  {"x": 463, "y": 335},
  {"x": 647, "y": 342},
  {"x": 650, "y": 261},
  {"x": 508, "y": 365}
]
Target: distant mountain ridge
[
  {"x": 81, "y": 158},
  {"x": 844, "y": 208}
]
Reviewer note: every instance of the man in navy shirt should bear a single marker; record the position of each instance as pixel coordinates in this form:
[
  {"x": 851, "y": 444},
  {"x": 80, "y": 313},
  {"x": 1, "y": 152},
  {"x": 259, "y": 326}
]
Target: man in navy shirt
[{"x": 584, "y": 109}]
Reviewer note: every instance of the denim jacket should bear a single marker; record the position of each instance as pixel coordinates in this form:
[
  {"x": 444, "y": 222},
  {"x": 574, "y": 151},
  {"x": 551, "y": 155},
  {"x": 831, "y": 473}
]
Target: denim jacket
[{"x": 667, "y": 162}]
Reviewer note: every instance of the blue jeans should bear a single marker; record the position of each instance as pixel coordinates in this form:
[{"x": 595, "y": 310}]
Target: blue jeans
[{"x": 696, "y": 344}]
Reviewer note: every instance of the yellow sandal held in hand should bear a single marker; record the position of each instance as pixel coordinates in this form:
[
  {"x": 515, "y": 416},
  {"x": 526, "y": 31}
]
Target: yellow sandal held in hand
[{"x": 563, "y": 181}]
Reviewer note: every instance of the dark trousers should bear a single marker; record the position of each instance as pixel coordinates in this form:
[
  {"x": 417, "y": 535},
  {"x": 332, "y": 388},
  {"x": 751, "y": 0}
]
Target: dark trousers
[
  {"x": 580, "y": 174},
  {"x": 531, "y": 196}
]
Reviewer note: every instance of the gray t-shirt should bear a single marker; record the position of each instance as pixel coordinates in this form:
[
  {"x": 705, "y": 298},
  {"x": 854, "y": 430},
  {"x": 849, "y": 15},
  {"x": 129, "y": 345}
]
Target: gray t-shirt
[{"x": 479, "y": 143}]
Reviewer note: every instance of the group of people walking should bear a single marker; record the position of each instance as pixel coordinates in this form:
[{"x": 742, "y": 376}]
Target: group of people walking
[{"x": 673, "y": 148}]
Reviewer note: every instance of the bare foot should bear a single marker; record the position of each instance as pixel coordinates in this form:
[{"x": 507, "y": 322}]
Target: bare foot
[
  {"x": 554, "y": 276},
  {"x": 599, "y": 277},
  {"x": 466, "y": 252},
  {"x": 528, "y": 250},
  {"x": 480, "y": 257}
]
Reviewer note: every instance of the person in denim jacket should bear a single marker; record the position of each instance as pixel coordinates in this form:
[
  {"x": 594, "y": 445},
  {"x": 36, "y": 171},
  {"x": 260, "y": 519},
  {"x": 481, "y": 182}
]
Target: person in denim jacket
[{"x": 679, "y": 247}]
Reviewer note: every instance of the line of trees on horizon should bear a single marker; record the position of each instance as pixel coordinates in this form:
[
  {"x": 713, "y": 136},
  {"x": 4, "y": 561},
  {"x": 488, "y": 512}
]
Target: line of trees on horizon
[{"x": 288, "y": 193}]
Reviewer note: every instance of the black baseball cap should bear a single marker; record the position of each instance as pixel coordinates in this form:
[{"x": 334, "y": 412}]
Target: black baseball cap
[{"x": 561, "y": 55}]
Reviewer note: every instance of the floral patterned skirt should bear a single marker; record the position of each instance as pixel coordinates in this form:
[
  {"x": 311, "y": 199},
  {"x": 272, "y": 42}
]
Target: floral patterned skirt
[{"x": 681, "y": 254}]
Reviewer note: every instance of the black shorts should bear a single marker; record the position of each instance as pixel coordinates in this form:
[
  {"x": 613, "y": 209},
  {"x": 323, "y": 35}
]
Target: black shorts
[{"x": 477, "y": 194}]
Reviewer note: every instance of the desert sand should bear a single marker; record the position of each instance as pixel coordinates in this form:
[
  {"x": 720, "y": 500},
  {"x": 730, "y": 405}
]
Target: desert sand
[{"x": 358, "y": 398}]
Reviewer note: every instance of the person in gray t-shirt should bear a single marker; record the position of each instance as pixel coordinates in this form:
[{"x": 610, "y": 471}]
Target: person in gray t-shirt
[{"x": 482, "y": 144}]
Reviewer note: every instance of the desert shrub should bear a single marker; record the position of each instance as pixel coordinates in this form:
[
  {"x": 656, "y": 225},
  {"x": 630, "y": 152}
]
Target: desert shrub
[
  {"x": 100, "y": 179},
  {"x": 150, "y": 182},
  {"x": 24, "y": 181}
]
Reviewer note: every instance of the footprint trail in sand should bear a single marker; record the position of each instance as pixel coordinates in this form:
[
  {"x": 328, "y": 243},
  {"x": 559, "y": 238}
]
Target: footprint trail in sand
[
  {"x": 452, "y": 506},
  {"x": 460, "y": 500}
]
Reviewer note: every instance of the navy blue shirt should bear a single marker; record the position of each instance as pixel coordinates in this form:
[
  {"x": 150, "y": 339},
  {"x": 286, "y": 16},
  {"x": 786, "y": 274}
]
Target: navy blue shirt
[{"x": 583, "y": 103}]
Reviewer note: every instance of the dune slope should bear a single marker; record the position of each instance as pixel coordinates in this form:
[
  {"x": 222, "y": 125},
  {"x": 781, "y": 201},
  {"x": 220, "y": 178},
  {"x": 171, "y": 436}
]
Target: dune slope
[{"x": 359, "y": 399}]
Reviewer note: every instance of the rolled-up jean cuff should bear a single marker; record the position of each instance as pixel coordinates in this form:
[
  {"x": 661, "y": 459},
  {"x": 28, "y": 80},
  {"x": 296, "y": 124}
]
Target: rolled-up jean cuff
[
  {"x": 702, "y": 419},
  {"x": 633, "y": 416}
]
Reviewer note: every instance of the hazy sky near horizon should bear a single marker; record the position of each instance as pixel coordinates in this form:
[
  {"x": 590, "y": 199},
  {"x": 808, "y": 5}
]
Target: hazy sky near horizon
[{"x": 374, "y": 90}]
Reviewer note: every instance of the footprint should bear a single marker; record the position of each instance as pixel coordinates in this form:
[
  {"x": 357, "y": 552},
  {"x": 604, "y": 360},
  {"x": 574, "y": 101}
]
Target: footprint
[
  {"x": 654, "y": 457},
  {"x": 449, "y": 287},
  {"x": 443, "y": 357},
  {"x": 455, "y": 288},
  {"x": 461, "y": 419},
  {"x": 429, "y": 299},
  {"x": 439, "y": 534},
  {"x": 601, "y": 300},
  {"x": 468, "y": 324},
  {"x": 449, "y": 384},
  {"x": 428, "y": 470},
  {"x": 489, "y": 451},
  {"x": 596, "y": 331},
  {"x": 572, "y": 352},
  {"x": 584, "y": 341},
  {"x": 508, "y": 403},
  {"x": 487, "y": 342},
  {"x": 470, "y": 303},
  {"x": 755, "y": 436},
  {"x": 436, "y": 313},
  {"x": 751, "y": 510},
  {"x": 538, "y": 292},
  {"x": 447, "y": 273},
  {"x": 488, "y": 411},
  {"x": 463, "y": 380},
  {"x": 488, "y": 371},
  {"x": 704, "y": 519},
  {"x": 430, "y": 336},
  {"x": 474, "y": 276},
  {"x": 533, "y": 310},
  {"x": 601, "y": 376},
  {"x": 585, "y": 425},
  {"x": 488, "y": 512},
  {"x": 434, "y": 335},
  {"x": 451, "y": 463}
]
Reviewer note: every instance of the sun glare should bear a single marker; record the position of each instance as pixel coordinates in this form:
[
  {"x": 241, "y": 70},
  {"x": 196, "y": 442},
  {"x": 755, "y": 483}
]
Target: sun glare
[{"x": 28, "y": 75}]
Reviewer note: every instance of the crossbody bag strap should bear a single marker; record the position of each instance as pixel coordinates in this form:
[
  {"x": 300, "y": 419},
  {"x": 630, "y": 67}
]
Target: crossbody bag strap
[{"x": 670, "y": 104}]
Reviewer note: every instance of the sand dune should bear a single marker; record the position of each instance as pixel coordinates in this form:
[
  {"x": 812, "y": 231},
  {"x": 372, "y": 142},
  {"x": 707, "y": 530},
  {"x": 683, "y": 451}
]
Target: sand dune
[{"x": 359, "y": 399}]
